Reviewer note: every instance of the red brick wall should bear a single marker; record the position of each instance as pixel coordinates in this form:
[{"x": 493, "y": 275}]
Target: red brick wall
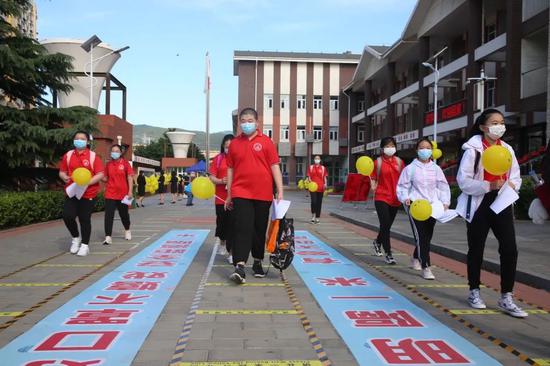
[{"x": 111, "y": 126}]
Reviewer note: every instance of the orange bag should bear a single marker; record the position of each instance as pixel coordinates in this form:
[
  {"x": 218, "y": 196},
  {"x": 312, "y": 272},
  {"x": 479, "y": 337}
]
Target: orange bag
[{"x": 272, "y": 232}]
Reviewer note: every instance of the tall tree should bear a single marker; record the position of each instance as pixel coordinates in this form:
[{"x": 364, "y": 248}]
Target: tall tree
[{"x": 30, "y": 128}]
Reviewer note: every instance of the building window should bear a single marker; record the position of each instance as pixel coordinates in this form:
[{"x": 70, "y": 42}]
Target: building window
[
  {"x": 283, "y": 165},
  {"x": 318, "y": 133},
  {"x": 491, "y": 93},
  {"x": 490, "y": 32},
  {"x": 300, "y": 133},
  {"x": 333, "y": 103},
  {"x": 360, "y": 106},
  {"x": 333, "y": 134},
  {"x": 360, "y": 134},
  {"x": 284, "y": 101},
  {"x": 268, "y": 131},
  {"x": 269, "y": 101},
  {"x": 285, "y": 133},
  {"x": 300, "y": 168},
  {"x": 317, "y": 102},
  {"x": 301, "y": 102}
]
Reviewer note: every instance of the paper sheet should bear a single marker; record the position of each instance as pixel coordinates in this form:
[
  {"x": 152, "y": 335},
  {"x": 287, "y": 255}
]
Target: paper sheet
[
  {"x": 279, "y": 209},
  {"x": 74, "y": 190},
  {"x": 506, "y": 196},
  {"x": 440, "y": 214},
  {"x": 127, "y": 201},
  {"x": 447, "y": 216}
]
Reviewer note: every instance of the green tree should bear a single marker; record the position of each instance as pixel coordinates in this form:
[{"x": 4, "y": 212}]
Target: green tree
[
  {"x": 195, "y": 152},
  {"x": 30, "y": 128},
  {"x": 156, "y": 150}
]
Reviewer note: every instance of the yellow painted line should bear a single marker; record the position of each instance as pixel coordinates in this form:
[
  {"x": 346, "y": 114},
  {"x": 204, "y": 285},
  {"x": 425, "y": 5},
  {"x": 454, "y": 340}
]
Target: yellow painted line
[
  {"x": 490, "y": 311},
  {"x": 254, "y": 363},
  {"x": 10, "y": 313},
  {"x": 246, "y": 312},
  {"x": 440, "y": 286},
  {"x": 32, "y": 284},
  {"x": 253, "y": 284},
  {"x": 69, "y": 265},
  {"x": 542, "y": 361}
]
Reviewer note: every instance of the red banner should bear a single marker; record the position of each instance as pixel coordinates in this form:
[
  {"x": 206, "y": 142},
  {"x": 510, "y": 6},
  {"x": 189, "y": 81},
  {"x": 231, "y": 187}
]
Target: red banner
[{"x": 357, "y": 188}]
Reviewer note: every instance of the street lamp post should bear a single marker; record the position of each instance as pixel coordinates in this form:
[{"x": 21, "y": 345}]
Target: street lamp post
[
  {"x": 481, "y": 88},
  {"x": 435, "y": 69}
]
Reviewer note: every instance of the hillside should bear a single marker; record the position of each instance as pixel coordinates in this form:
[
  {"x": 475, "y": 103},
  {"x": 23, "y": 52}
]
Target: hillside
[{"x": 142, "y": 133}]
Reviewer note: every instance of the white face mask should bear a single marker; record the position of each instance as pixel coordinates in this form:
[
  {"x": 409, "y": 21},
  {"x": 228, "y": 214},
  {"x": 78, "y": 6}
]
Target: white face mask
[
  {"x": 390, "y": 151},
  {"x": 496, "y": 131},
  {"x": 317, "y": 161}
]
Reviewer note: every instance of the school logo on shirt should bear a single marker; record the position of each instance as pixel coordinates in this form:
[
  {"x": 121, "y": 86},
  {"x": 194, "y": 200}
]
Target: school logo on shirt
[
  {"x": 120, "y": 167},
  {"x": 85, "y": 162},
  {"x": 257, "y": 147}
]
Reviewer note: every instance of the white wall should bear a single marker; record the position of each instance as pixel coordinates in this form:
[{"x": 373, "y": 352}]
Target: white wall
[
  {"x": 268, "y": 89},
  {"x": 285, "y": 90}
]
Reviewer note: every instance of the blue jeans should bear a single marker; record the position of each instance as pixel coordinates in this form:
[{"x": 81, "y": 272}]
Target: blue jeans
[{"x": 189, "y": 198}]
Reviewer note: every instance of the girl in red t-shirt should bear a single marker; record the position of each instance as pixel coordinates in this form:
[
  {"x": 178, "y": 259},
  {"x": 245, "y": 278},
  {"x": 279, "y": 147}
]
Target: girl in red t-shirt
[
  {"x": 384, "y": 178},
  {"x": 218, "y": 176},
  {"x": 119, "y": 178},
  {"x": 317, "y": 173}
]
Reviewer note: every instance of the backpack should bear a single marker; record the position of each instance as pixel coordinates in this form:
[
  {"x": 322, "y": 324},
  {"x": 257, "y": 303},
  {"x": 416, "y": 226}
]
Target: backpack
[
  {"x": 379, "y": 165},
  {"x": 281, "y": 243},
  {"x": 92, "y": 159}
]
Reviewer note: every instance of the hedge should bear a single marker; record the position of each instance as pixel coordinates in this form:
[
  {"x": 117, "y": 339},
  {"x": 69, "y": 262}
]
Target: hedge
[{"x": 24, "y": 208}]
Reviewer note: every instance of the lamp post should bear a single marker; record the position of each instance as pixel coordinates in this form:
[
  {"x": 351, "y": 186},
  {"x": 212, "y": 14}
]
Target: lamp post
[
  {"x": 435, "y": 69},
  {"x": 480, "y": 88},
  {"x": 89, "y": 46}
]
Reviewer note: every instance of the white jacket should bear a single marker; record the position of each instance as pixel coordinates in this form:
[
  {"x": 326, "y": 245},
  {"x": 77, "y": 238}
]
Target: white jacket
[
  {"x": 423, "y": 181},
  {"x": 474, "y": 185}
]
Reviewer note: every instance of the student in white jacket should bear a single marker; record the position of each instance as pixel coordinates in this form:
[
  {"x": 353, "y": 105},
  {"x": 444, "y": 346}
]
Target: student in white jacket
[
  {"x": 479, "y": 190},
  {"x": 423, "y": 179}
]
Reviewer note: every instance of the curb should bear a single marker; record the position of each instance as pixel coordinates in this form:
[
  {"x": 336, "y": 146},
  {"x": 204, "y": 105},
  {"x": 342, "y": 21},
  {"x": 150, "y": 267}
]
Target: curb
[{"x": 521, "y": 276}]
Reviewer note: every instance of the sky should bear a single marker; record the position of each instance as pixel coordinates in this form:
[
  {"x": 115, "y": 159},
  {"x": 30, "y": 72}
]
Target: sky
[{"x": 164, "y": 68}]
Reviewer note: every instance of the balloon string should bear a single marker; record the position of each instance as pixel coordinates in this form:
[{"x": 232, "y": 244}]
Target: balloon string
[{"x": 218, "y": 197}]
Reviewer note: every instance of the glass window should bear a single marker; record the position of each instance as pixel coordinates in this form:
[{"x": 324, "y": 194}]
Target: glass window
[
  {"x": 333, "y": 134},
  {"x": 333, "y": 103},
  {"x": 268, "y": 131},
  {"x": 318, "y": 133},
  {"x": 360, "y": 106},
  {"x": 285, "y": 133},
  {"x": 317, "y": 102},
  {"x": 269, "y": 101},
  {"x": 284, "y": 101},
  {"x": 300, "y": 133},
  {"x": 360, "y": 134},
  {"x": 301, "y": 102}
]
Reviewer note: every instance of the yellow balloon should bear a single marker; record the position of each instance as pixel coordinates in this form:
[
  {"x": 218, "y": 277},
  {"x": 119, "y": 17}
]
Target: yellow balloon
[
  {"x": 167, "y": 179},
  {"x": 497, "y": 160},
  {"x": 203, "y": 188},
  {"x": 81, "y": 176},
  {"x": 312, "y": 187},
  {"x": 434, "y": 144},
  {"x": 437, "y": 153},
  {"x": 364, "y": 165},
  {"x": 301, "y": 185},
  {"x": 421, "y": 210}
]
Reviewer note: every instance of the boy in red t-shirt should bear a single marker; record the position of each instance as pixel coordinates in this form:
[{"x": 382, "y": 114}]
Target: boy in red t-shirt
[
  {"x": 80, "y": 157},
  {"x": 253, "y": 166},
  {"x": 317, "y": 173}
]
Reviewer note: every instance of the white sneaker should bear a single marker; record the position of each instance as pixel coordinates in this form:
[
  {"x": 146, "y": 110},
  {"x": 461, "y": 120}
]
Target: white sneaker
[
  {"x": 475, "y": 300},
  {"x": 507, "y": 305},
  {"x": 313, "y": 219},
  {"x": 75, "y": 245},
  {"x": 108, "y": 240},
  {"x": 415, "y": 264},
  {"x": 427, "y": 274},
  {"x": 217, "y": 241},
  {"x": 83, "y": 251},
  {"x": 317, "y": 221},
  {"x": 128, "y": 235},
  {"x": 222, "y": 250}
]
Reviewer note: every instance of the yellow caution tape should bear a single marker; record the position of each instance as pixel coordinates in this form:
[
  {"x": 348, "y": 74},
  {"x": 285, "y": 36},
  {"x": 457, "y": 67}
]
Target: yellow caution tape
[
  {"x": 490, "y": 311},
  {"x": 245, "y": 312},
  {"x": 252, "y": 284},
  {"x": 254, "y": 363},
  {"x": 10, "y": 313},
  {"x": 32, "y": 284},
  {"x": 542, "y": 361}
]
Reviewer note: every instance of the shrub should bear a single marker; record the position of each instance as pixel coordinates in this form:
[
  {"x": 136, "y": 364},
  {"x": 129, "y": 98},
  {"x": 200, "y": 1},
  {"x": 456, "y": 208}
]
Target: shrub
[{"x": 24, "y": 208}]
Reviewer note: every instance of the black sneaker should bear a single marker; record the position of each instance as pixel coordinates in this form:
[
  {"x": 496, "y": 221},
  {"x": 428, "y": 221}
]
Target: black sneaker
[
  {"x": 377, "y": 248},
  {"x": 389, "y": 259},
  {"x": 239, "y": 277},
  {"x": 258, "y": 270}
]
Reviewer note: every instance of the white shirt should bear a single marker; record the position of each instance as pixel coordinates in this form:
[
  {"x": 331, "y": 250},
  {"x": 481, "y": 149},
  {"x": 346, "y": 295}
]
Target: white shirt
[{"x": 423, "y": 181}]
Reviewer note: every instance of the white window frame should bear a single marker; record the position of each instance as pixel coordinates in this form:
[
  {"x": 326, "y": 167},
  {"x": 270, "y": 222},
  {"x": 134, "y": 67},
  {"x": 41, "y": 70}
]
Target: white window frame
[
  {"x": 268, "y": 101},
  {"x": 318, "y": 102},
  {"x": 268, "y": 131},
  {"x": 300, "y": 133},
  {"x": 361, "y": 134},
  {"x": 334, "y": 102},
  {"x": 285, "y": 133},
  {"x": 333, "y": 134},
  {"x": 360, "y": 106},
  {"x": 318, "y": 133},
  {"x": 301, "y": 101},
  {"x": 285, "y": 101}
]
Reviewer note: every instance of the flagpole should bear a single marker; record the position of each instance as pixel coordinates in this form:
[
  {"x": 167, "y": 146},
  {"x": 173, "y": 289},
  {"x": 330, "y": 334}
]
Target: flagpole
[{"x": 207, "y": 112}]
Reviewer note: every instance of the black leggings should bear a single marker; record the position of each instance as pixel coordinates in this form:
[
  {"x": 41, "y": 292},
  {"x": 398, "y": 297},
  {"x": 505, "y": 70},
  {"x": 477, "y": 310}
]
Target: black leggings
[
  {"x": 224, "y": 226},
  {"x": 82, "y": 209},
  {"x": 250, "y": 225},
  {"x": 423, "y": 232},
  {"x": 386, "y": 215},
  {"x": 503, "y": 228},
  {"x": 316, "y": 203},
  {"x": 110, "y": 207}
]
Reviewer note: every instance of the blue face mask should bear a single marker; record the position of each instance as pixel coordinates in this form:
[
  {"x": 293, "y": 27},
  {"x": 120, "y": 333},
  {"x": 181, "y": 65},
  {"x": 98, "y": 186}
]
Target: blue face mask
[
  {"x": 79, "y": 144},
  {"x": 248, "y": 128},
  {"x": 424, "y": 154},
  {"x": 115, "y": 155}
]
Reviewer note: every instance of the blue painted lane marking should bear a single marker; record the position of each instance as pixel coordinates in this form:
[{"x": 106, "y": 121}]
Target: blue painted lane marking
[
  {"x": 379, "y": 326},
  {"x": 107, "y": 323}
]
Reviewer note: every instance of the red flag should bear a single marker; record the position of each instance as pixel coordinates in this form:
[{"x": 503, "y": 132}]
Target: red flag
[{"x": 357, "y": 188}]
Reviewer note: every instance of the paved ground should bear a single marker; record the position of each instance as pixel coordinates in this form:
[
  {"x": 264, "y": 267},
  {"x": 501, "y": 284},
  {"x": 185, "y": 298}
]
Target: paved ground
[
  {"x": 37, "y": 255},
  {"x": 450, "y": 240}
]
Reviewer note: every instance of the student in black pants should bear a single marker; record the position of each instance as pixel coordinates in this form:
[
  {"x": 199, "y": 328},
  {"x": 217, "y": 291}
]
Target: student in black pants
[
  {"x": 479, "y": 190},
  {"x": 317, "y": 173}
]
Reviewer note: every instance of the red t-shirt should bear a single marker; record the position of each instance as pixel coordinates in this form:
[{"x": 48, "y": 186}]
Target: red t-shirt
[
  {"x": 218, "y": 169},
  {"x": 486, "y": 175},
  {"x": 386, "y": 190},
  {"x": 317, "y": 174},
  {"x": 117, "y": 172},
  {"x": 82, "y": 160},
  {"x": 251, "y": 161}
]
